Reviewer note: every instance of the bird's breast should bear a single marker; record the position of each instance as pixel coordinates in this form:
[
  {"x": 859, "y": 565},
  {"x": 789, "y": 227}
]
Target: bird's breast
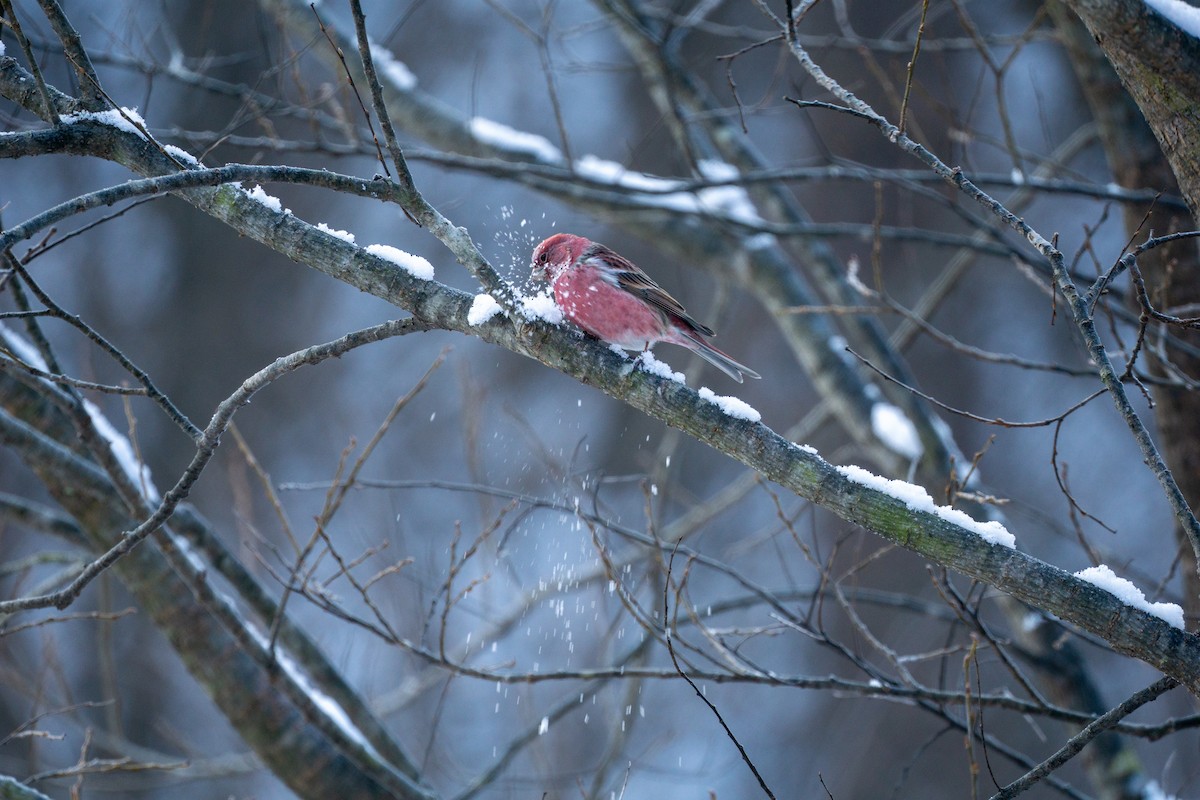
[{"x": 606, "y": 311}]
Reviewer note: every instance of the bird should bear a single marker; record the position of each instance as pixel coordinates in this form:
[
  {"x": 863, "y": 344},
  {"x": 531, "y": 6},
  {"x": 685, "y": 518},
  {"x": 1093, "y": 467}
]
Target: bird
[{"x": 611, "y": 298}]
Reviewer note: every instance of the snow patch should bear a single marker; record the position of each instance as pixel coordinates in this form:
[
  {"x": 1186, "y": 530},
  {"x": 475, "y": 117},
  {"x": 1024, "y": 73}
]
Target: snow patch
[
  {"x": 541, "y": 306},
  {"x": 730, "y": 406},
  {"x": 655, "y": 367},
  {"x": 122, "y": 119},
  {"x": 483, "y": 308},
  {"x": 1152, "y": 791},
  {"x": 731, "y": 202},
  {"x": 258, "y": 195},
  {"x": 345, "y": 236},
  {"x": 896, "y": 431},
  {"x": 852, "y": 267},
  {"x": 603, "y": 171},
  {"x": 917, "y": 499},
  {"x": 137, "y": 472},
  {"x": 760, "y": 241},
  {"x": 500, "y": 135},
  {"x": 1186, "y": 16},
  {"x": 413, "y": 265},
  {"x": 395, "y": 71},
  {"x": 328, "y": 706},
  {"x": 22, "y": 348},
  {"x": 179, "y": 154},
  {"x": 1125, "y": 591}
]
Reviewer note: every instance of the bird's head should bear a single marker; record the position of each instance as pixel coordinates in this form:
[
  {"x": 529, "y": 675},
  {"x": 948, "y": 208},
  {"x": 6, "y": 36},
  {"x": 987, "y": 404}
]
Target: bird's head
[{"x": 555, "y": 254}]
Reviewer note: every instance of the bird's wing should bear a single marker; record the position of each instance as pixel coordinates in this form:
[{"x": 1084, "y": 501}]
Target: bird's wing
[{"x": 633, "y": 280}]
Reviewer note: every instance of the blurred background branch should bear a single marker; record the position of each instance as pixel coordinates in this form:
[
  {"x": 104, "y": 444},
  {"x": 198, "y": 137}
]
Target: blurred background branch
[{"x": 484, "y": 602}]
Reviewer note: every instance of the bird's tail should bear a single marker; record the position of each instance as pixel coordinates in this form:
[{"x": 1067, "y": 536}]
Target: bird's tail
[{"x": 719, "y": 359}]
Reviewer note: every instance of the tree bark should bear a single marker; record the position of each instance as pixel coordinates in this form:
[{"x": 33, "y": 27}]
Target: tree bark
[{"x": 1146, "y": 101}]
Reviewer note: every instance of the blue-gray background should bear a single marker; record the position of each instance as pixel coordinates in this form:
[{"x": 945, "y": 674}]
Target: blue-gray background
[{"x": 200, "y": 309}]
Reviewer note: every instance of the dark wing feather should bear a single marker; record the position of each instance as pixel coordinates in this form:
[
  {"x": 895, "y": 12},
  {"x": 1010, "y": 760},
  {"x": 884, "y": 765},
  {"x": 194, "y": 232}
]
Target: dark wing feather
[{"x": 633, "y": 280}]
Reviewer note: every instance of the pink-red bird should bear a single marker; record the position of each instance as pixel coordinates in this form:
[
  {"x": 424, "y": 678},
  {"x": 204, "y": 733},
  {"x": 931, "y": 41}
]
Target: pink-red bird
[{"x": 612, "y": 299}]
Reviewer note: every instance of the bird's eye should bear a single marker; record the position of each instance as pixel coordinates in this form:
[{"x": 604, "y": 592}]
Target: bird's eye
[{"x": 542, "y": 258}]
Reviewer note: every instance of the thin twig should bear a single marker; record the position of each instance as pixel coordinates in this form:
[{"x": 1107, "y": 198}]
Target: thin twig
[
  {"x": 10, "y": 17},
  {"x": 1081, "y": 739},
  {"x": 353, "y": 86},
  {"x": 912, "y": 64},
  {"x": 206, "y": 448},
  {"x": 675, "y": 661},
  {"x": 152, "y": 391},
  {"x": 1040, "y": 423},
  {"x": 1054, "y": 257}
]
